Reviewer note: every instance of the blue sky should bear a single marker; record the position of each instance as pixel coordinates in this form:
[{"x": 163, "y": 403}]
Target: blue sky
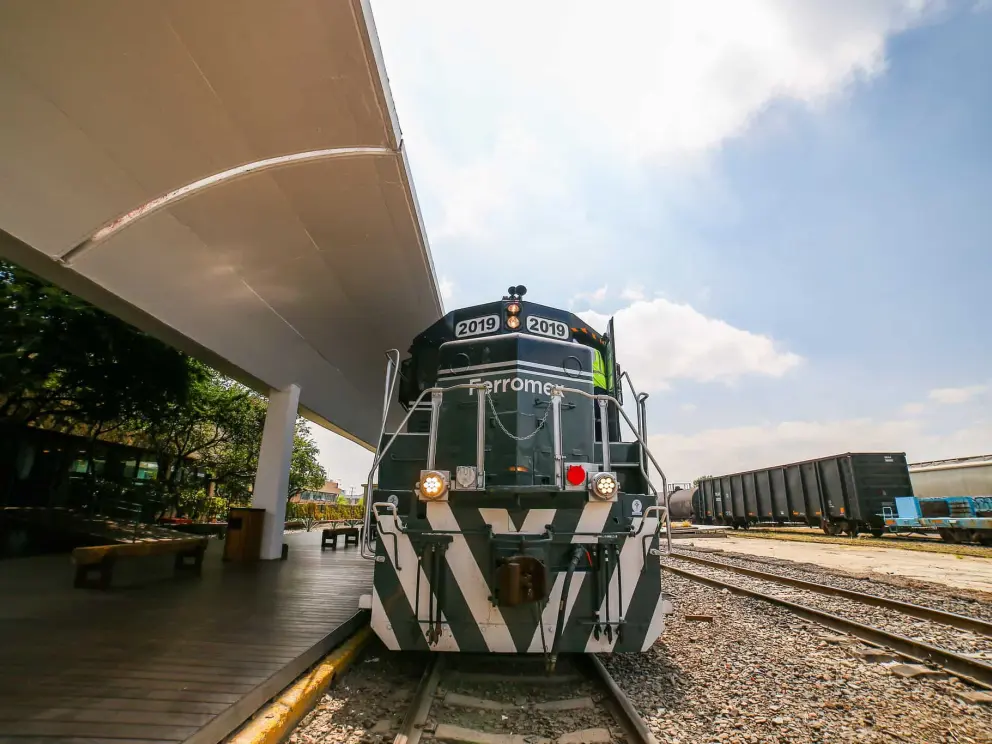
[{"x": 785, "y": 204}]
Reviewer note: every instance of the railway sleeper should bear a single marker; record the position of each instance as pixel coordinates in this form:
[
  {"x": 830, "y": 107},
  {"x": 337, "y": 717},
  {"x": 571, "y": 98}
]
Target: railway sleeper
[{"x": 477, "y": 706}]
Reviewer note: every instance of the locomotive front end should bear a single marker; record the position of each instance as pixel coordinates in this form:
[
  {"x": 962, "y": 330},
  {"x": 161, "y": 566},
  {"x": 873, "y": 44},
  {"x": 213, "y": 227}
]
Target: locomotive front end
[{"x": 509, "y": 518}]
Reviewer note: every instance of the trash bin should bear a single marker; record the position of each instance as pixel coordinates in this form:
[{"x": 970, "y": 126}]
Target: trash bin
[{"x": 244, "y": 534}]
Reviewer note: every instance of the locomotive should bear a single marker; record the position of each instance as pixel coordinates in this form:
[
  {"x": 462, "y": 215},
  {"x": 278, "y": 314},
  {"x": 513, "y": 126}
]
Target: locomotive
[{"x": 509, "y": 516}]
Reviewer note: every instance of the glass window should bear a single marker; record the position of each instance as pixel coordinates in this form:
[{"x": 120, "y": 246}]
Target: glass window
[
  {"x": 81, "y": 464},
  {"x": 129, "y": 467},
  {"x": 99, "y": 459},
  {"x": 147, "y": 470}
]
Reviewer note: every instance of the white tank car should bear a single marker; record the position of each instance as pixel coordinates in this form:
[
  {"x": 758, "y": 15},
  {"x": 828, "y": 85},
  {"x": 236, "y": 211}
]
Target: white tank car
[{"x": 964, "y": 476}]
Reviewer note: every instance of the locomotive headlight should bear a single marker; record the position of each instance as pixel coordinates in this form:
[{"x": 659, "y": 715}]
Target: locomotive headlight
[
  {"x": 513, "y": 322},
  {"x": 513, "y": 308},
  {"x": 604, "y": 486},
  {"x": 433, "y": 485}
]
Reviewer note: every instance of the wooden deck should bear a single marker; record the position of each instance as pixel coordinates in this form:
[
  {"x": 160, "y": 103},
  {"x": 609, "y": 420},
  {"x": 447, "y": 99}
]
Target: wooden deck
[{"x": 185, "y": 660}]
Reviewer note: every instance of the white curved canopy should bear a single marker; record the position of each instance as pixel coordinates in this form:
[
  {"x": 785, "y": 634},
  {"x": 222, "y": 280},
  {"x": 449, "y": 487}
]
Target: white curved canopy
[{"x": 300, "y": 269}]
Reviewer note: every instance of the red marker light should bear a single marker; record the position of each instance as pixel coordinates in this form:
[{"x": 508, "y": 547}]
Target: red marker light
[{"x": 575, "y": 475}]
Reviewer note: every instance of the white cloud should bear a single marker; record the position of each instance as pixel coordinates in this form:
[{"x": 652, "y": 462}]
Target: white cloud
[
  {"x": 498, "y": 104},
  {"x": 476, "y": 191},
  {"x": 632, "y": 293},
  {"x": 721, "y": 451},
  {"x": 687, "y": 407},
  {"x": 447, "y": 288},
  {"x": 592, "y": 298},
  {"x": 913, "y": 409},
  {"x": 659, "y": 341},
  {"x": 950, "y": 396},
  {"x": 683, "y": 76},
  {"x": 513, "y": 114}
]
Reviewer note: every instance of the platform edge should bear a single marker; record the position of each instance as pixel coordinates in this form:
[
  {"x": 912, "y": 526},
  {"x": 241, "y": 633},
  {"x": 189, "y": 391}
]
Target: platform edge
[{"x": 276, "y": 720}]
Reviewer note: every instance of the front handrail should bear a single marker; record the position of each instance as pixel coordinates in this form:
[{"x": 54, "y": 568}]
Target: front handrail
[
  {"x": 392, "y": 376},
  {"x": 366, "y": 541},
  {"x": 558, "y": 392},
  {"x": 642, "y": 418},
  {"x": 644, "y": 448},
  {"x": 630, "y": 383},
  {"x": 386, "y": 533}
]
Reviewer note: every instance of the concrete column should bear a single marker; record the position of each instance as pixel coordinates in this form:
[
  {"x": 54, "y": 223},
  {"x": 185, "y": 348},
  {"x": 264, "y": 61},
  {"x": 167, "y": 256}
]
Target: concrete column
[{"x": 272, "y": 478}]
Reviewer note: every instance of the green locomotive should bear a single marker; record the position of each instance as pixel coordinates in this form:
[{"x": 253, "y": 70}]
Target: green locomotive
[{"x": 509, "y": 517}]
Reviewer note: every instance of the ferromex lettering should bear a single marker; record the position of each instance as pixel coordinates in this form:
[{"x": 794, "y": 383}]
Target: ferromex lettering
[{"x": 513, "y": 384}]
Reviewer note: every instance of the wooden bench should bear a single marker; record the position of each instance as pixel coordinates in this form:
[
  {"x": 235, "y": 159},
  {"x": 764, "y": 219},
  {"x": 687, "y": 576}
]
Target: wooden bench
[
  {"x": 95, "y": 565},
  {"x": 330, "y": 536}
]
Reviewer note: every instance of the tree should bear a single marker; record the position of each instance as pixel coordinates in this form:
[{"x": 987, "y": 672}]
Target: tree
[
  {"x": 65, "y": 363},
  {"x": 305, "y": 471},
  {"x": 68, "y": 366},
  {"x": 233, "y": 462},
  {"x": 218, "y": 426}
]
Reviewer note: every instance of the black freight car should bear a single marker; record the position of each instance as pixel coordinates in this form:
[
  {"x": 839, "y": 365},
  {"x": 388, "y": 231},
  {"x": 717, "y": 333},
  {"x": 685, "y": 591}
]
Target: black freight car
[{"x": 843, "y": 493}]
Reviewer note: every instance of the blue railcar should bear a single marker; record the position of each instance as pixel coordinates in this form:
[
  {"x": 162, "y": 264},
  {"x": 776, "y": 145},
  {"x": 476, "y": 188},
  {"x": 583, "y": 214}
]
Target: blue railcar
[{"x": 956, "y": 519}]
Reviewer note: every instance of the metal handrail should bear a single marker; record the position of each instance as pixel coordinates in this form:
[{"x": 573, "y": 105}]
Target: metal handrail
[
  {"x": 558, "y": 392},
  {"x": 366, "y": 542},
  {"x": 392, "y": 376},
  {"x": 630, "y": 383},
  {"x": 642, "y": 419},
  {"x": 644, "y": 448}
]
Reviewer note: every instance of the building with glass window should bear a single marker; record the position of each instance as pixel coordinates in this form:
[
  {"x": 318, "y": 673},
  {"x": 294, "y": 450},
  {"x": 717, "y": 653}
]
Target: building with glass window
[{"x": 45, "y": 468}]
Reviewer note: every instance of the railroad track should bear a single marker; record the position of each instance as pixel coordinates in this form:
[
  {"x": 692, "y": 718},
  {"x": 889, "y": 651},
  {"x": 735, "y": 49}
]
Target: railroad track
[
  {"x": 962, "y": 622},
  {"x": 922, "y": 642},
  {"x": 919, "y": 543},
  {"x": 510, "y": 700}
]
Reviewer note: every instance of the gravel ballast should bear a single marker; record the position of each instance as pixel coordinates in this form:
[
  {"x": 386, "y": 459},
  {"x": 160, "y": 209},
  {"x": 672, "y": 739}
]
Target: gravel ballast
[
  {"x": 931, "y": 632},
  {"x": 948, "y": 599},
  {"x": 742, "y": 672},
  {"x": 757, "y": 673},
  {"x": 377, "y": 689}
]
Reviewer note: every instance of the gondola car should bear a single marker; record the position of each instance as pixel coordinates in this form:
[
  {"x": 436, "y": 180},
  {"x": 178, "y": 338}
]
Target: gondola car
[
  {"x": 508, "y": 516},
  {"x": 843, "y": 493}
]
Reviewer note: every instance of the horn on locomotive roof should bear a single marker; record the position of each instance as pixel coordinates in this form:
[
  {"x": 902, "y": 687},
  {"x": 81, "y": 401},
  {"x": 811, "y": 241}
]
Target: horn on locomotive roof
[{"x": 515, "y": 293}]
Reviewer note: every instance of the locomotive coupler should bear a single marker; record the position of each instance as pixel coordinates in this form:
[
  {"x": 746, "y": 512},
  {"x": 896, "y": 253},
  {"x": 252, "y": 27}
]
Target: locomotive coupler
[
  {"x": 519, "y": 570},
  {"x": 521, "y": 579}
]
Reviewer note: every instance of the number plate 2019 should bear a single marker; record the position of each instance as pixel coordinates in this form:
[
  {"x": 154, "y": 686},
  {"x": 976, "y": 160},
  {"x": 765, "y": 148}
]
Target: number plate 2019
[
  {"x": 545, "y": 327},
  {"x": 476, "y": 326}
]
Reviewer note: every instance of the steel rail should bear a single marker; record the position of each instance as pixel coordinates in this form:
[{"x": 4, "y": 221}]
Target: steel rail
[
  {"x": 968, "y": 669},
  {"x": 615, "y": 701},
  {"x": 963, "y": 622},
  {"x": 412, "y": 727},
  {"x": 623, "y": 710}
]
